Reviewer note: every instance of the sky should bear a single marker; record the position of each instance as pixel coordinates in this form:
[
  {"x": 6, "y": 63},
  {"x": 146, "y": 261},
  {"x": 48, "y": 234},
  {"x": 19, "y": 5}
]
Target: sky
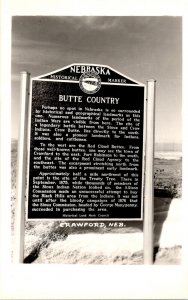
[{"x": 139, "y": 47}]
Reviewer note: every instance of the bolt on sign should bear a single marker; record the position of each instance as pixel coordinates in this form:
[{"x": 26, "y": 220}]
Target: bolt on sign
[{"x": 86, "y": 145}]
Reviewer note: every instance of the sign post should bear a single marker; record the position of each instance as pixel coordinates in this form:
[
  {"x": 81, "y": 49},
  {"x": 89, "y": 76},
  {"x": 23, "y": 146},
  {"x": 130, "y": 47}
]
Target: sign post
[
  {"x": 21, "y": 171},
  {"x": 86, "y": 150},
  {"x": 149, "y": 175}
]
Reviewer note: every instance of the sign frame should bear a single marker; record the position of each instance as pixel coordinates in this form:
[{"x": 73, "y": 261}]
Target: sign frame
[{"x": 88, "y": 220}]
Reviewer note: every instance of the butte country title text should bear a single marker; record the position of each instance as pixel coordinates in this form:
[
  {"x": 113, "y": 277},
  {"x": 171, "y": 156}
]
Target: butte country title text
[{"x": 89, "y": 99}]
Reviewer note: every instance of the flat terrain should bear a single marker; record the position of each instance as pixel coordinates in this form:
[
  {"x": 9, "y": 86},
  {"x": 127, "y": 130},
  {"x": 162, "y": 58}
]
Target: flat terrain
[{"x": 49, "y": 242}]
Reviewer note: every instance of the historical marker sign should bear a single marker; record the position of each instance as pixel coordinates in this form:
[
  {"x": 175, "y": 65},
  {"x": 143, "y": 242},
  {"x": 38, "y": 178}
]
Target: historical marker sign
[{"x": 86, "y": 145}]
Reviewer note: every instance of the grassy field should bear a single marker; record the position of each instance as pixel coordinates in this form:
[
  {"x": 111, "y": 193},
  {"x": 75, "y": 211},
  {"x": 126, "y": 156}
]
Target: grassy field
[{"x": 48, "y": 242}]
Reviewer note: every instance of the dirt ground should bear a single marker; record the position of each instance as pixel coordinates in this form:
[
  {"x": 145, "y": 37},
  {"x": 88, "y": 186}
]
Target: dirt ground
[{"x": 49, "y": 242}]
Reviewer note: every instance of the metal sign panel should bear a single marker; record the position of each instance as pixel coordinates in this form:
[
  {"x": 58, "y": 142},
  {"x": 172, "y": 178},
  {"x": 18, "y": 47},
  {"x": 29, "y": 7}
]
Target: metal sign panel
[{"x": 86, "y": 145}]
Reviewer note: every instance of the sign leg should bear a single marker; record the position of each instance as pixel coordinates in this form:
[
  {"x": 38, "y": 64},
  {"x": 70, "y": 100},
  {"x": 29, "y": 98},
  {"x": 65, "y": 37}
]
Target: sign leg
[
  {"x": 149, "y": 174},
  {"x": 21, "y": 171}
]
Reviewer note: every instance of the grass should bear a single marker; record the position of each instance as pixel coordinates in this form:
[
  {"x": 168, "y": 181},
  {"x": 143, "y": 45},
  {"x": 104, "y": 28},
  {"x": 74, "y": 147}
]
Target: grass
[{"x": 44, "y": 239}]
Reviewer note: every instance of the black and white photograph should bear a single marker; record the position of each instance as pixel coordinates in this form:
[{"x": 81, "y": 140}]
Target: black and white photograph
[
  {"x": 87, "y": 144},
  {"x": 96, "y": 151}
]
